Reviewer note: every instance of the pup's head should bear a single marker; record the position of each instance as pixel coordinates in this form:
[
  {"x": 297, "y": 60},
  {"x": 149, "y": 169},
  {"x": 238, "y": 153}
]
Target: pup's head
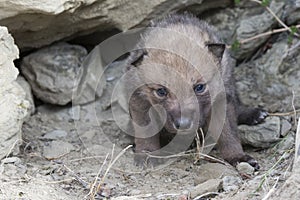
[
  {"x": 181, "y": 88},
  {"x": 179, "y": 67}
]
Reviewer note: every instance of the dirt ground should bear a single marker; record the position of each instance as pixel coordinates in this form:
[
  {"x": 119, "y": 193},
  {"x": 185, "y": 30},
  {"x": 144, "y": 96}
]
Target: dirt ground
[{"x": 78, "y": 152}]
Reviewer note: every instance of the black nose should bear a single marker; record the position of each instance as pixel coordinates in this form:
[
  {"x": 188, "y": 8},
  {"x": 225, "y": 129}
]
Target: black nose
[{"x": 182, "y": 123}]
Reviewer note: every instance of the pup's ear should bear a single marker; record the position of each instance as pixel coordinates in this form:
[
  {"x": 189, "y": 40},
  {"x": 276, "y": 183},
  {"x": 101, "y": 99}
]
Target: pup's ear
[
  {"x": 136, "y": 57},
  {"x": 217, "y": 49}
]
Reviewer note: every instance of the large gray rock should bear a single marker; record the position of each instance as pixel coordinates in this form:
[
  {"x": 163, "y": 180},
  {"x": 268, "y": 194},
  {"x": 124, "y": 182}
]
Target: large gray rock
[
  {"x": 54, "y": 72},
  {"x": 273, "y": 78},
  {"x": 255, "y": 24},
  {"x": 293, "y": 12},
  {"x": 49, "y": 21},
  {"x": 263, "y": 135},
  {"x": 13, "y": 106}
]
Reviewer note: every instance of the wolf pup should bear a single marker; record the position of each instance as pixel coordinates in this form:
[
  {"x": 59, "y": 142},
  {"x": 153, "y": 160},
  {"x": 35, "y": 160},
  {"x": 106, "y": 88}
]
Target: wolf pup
[{"x": 178, "y": 66}]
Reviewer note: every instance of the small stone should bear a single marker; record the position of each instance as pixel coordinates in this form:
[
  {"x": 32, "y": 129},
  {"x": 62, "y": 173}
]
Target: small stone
[
  {"x": 53, "y": 72},
  {"x": 75, "y": 113},
  {"x": 54, "y": 135},
  {"x": 285, "y": 127},
  {"x": 245, "y": 168},
  {"x": 14, "y": 160},
  {"x": 209, "y": 171},
  {"x": 286, "y": 143},
  {"x": 262, "y": 135},
  {"x": 212, "y": 185},
  {"x": 253, "y": 95},
  {"x": 231, "y": 183},
  {"x": 55, "y": 149},
  {"x": 135, "y": 192}
]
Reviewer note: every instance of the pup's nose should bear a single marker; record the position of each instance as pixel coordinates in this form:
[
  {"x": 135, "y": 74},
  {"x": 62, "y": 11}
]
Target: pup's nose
[{"x": 182, "y": 123}]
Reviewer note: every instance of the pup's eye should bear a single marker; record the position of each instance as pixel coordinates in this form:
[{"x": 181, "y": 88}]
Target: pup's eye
[
  {"x": 161, "y": 92},
  {"x": 200, "y": 88}
]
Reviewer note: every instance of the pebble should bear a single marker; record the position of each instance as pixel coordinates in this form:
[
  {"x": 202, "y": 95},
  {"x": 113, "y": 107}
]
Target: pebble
[
  {"x": 231, "y": 183},
  {"x": 285, "y": 127},
  {"x": 212, "y": 185},
  {"x": 245, "y": 168},
  {"x": 15, "y": 160},
  {"x": 262, "y": 135},
  {"x": 55, "y": 149},
  {"x": 55, "y": 135},
  {"x": 74, "y": 112}
]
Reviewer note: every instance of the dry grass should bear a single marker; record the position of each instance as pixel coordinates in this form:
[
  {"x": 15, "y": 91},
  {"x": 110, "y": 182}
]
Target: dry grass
[{"x": 97, "y": 184}]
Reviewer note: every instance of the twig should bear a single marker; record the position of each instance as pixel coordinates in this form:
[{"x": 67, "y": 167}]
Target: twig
[
  {"x": 61, "y": 181},
  {"x": 297, "y": 143},
  {"x": 285, "y": 113},
  {"x": 206, "y": 194},
  {"x": 12, "y": 147},
  {"x": 264, "y": 34},
  {"x": 84, "y": 183},
  {"x": 111, "y": 164},
  {"x": 188, "y": 153},
  {"x": 276, "y": 17},
  {"x": 293, "y": 105},
  {"x": 140, "y": 196},
  {"x": 198, "y": 145},
  {"x": 203, "y": 140},
  {"x": 269, "y": 171},
  {"x": 164, "y": 196},
  {"x": 272, "y": 190},
  {"x": 92, "y": 192},
  {"x": 86, "y": 158},
  {"x": 286, "y": 28}
]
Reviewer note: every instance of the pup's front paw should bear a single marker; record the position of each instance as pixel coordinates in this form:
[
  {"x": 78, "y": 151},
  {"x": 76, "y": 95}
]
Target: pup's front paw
[{"x": 253, "y": 116}]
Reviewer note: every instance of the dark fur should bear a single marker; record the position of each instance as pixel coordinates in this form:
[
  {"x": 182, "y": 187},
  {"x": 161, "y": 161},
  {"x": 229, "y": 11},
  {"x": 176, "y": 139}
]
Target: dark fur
[{"x": 211, "y": 48}]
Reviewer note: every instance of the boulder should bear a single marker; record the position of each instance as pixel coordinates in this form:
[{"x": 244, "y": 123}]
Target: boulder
[
  {"x": 49, "y": 21},
  {"x": 53, "y": 72},
  {"x": 262, "y": 135},
  {"x": 13, "y": 106},
  {"x": 255, "y": 24},
  {"x": 272, "y": 78}
]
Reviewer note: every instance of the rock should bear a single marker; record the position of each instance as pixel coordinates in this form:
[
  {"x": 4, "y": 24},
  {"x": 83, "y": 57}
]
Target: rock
[
  {"x": 13, "y": 106},
  {"x": 253, "y": 25},
  {"x": 273, "y": 77},
  {"x": 293, "y": 12},
  {"x": 228, "y": 20},
  {"x": 55, "y": 149},
  {"x": 55, "y": 135},
  {"x": 285, "y": 127},
  {"x": 74, "y": 112},
  {"x": 29, "y": 97},
  {"x": 53, "y": 72},
  {"x": 15, "y": 160},
  {"x": 47, "y": 22},
  {"x": 245, "y": 168},
  {"x": 212, "y": 185},
  {"x": 262, "y": 135},
  {"x": 214, "y": 171},
  {"x": 287, "y": 143},
  {"x": 231, "y": 183}
]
